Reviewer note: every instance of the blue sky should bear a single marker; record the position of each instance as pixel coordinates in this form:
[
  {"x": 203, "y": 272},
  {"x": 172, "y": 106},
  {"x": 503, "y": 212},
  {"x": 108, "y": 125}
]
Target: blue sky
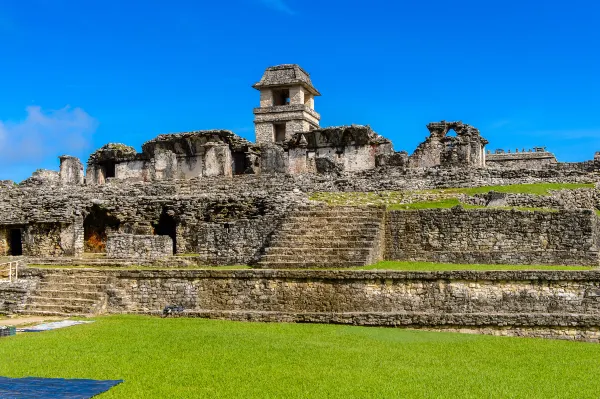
[{"x": 75, "y": 75}]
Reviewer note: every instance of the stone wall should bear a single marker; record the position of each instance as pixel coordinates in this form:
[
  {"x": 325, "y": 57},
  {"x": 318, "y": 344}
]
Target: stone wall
[
  {"x": 521, "y": 160},
  {"x": 13, "y": 295},
  {"x": 558, "y": 304},
  {"x": 123, "y": 246},
  {"x": 53, "y": 239},
  {"x": 493, "y": 236}
]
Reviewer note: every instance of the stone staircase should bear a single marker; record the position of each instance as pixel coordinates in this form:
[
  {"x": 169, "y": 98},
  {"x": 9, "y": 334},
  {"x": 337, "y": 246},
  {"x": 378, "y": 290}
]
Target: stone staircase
[
  {"x": 327, "y": 237},
  {"x": 59, "y": 294}
]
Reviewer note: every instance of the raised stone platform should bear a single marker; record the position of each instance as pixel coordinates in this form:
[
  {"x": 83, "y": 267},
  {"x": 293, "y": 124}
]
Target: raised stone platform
[{"x": 556, "y": 304}]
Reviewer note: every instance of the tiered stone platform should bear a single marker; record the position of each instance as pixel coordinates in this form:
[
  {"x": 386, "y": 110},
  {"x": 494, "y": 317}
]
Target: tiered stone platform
[{"x": 327, "y": 237}]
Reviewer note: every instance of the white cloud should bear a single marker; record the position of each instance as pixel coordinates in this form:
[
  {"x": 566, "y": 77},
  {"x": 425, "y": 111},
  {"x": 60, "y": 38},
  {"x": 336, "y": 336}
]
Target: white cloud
[
  {"x": 46, "y": 133},
  {"x": 278, "y": 5}
]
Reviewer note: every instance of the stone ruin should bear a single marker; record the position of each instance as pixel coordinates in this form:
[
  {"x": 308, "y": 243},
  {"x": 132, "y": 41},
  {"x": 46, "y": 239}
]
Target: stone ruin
[
  {"x": 214, "y": 198},
  {"x": 289, "y": 141},
  {"x": 221, "y": 197}
]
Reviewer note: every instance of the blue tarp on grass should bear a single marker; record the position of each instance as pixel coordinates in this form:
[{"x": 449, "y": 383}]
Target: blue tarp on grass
[{"x": 52, "y": 388}]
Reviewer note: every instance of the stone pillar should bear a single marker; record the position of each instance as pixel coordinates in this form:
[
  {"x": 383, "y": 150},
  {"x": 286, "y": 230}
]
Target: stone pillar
[
  {"x": 164, "y": 165},
  {"x": 71, "y": 171},
  {"x": 217, "y": 161}
]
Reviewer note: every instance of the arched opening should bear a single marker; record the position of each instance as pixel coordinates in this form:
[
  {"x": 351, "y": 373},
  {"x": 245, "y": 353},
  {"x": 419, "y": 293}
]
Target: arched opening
[
  {"x": 167, "y": 226},
  {"x": 451, "y": 133},
  {"x": 96, "y": 226}
]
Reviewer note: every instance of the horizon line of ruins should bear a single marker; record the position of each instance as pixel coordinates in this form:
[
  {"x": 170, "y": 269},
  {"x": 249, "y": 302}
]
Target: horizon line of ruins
[{"x": 288, "y": 139}]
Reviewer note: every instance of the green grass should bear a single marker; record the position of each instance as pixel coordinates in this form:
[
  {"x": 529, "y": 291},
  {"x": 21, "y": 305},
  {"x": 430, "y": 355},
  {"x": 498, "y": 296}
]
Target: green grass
[
  {"x": 445, "y": 203},
  {"x": 447, "y": 197},
  {"x": 430, "y": 266},
  {"x": 194, "y": 358},
  {"x": 535, "y": 188}
]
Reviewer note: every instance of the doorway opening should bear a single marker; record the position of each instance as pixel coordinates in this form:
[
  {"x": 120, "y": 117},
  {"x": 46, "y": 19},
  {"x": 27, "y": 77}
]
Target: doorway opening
[
  {"x": 96, "y": 226},
  {"x": 239, "y": 163},
  {"x": 16, "y": 243},
  {"x": 167, "y": 226}
]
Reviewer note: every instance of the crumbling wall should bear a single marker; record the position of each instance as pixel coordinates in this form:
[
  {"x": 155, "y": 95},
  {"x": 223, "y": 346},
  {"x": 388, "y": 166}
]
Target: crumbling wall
[
  {"x": 440, "y": 149},
  {"x": 125, "y": 246},
  {"x": 493, "y": 236},
  {"x": 347, "y": 148}
]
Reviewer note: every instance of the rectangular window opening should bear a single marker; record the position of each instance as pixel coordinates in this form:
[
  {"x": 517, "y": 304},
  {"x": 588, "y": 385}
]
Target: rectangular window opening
[
  {"x": 281, "y": 97},
  {"x": 279, "y": 131}
]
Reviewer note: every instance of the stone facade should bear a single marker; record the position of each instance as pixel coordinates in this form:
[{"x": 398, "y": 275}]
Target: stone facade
[{"x": 138, "y": 246}]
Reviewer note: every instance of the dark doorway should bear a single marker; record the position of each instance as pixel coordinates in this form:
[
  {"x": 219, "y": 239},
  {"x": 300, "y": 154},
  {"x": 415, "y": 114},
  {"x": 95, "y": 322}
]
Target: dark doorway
[
  {"x": 167, "y": 226},
  {"x": 239, "y": 163},
  {"x": 16, "y": 245},
  {"x": 279, "y": 132},
  {"x": 95, "y": 227},
  {"x": 109, "y": 170}
]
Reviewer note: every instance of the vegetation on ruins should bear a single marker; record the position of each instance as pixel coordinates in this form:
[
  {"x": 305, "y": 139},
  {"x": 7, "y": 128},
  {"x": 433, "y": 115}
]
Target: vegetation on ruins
[
  {"x": 441, "y": 198},
  {"x": 194, "y": 358}
]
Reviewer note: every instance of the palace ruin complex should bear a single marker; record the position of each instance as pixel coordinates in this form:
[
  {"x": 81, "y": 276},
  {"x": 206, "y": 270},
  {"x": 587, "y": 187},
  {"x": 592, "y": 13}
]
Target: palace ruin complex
[{"x": 213, "y": 198}]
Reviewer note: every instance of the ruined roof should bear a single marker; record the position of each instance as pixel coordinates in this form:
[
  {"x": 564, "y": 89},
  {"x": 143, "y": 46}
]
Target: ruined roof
[
  {"x": 190, "y": 142},
  {"x": 337, "y": 136},
  {"x": 286, "y": 75},
  {"x": 112, "y": 152}
]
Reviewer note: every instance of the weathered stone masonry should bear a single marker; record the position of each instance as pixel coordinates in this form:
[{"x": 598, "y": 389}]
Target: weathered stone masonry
[
  {"x": 558, "y": 304},
  {"x": 494, "y": 236}
]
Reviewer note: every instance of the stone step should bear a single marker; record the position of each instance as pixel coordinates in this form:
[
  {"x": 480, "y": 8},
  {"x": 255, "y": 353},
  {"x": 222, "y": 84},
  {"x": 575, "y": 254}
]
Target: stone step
[
  {"x": 42, "y": 300},
  {"x": 315, "y": 251},
  {"x": 74, "y": 294},
  {"x": 64, "y": 309},
  {"x": 31, "y": 312},
  {"x": 330, "y": 230},
  {"x": 58, "y": 286},
  {"x": 334, "y": 219},
  {"x": 83, "y": 279},
  {"x": 316, "y": 258},
  {"x": 312, "y": 242},
  {"x": 306, "y": 265},
  {"x": 337, "y": 210},
  {"x": 347, "y": 221}
]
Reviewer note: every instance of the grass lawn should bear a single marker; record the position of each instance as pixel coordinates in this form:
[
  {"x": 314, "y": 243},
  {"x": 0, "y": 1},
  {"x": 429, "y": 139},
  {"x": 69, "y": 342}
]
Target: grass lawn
[
  {"x": 194, "y": 358},
  {"x": 447, "y": 196},
  {"x": 534, "y": 188},
  {"x": 430, "y": 266}
]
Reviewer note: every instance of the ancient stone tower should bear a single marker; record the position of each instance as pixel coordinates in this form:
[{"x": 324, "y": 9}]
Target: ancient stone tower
[{"x": 286, "y": 104}]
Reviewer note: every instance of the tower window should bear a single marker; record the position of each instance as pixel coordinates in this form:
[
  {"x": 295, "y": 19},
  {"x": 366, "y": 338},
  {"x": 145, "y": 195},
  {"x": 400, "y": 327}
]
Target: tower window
[
  {"x": 281, "y": 97},
  {"x": 279, "y": 132}
]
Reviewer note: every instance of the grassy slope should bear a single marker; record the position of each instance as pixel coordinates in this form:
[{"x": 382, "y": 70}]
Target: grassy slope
[
  {"x": 393, "y": 198},
  {"x": 429, "y": 266},
  {"x": 192, "y": 358}
]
